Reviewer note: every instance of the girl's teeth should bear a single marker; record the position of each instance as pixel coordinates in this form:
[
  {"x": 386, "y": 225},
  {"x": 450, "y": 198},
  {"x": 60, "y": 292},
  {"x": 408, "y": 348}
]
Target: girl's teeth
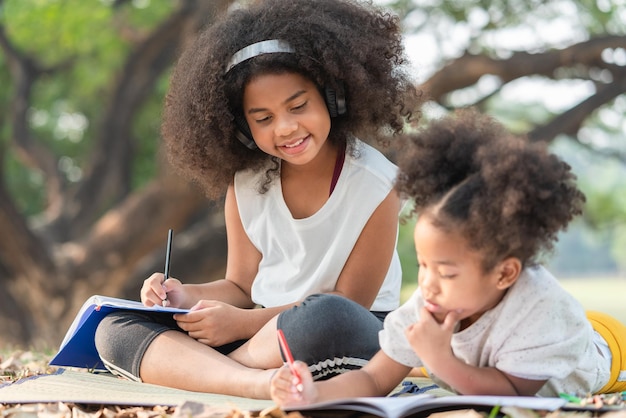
[{"x": 295, "y": 145}]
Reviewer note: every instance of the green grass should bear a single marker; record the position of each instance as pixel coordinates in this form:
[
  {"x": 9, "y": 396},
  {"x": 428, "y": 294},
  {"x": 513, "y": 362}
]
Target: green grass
[{"x": 603, "y": 294}]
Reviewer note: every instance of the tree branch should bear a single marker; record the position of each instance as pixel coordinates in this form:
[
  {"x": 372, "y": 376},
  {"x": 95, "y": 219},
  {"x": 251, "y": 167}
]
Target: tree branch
[
  {"x": 570, "y": 121},
  {"x": 125, "y": 235},
  {"x": 113, "y": 150},
  {"x": 113, "y": 246},
  {"x": 198, "y": 253},
  {"x": 468, "y": 69},
  {"x": 25, "y": 71},
  {"x": 21, "y": 251}
]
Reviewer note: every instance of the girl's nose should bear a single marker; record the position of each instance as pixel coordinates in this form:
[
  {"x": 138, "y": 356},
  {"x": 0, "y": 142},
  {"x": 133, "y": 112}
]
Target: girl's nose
[
  {"x": 427, "y": 281},
  {"x": 285, "y": 125}
]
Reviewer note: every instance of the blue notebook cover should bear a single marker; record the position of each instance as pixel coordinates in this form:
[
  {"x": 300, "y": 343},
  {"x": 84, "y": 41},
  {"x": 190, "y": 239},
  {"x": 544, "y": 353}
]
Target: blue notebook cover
[{"x": 78, "y": 348}]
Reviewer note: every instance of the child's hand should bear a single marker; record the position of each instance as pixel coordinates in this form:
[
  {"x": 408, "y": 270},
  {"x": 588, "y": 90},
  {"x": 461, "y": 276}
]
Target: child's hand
[
  {"x": 215, "y": 323},
  {"x": 155, "y": 291},
  {"x": 284, "y": 386},
  {"x": 430, "y": 339}
]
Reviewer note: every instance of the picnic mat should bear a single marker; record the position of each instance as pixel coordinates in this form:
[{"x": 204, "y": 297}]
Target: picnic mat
[{"x": 80, "y": 387}]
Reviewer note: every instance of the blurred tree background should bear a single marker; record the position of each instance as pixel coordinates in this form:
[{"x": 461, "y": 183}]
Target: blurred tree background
[{"x": 86, "y": 197}]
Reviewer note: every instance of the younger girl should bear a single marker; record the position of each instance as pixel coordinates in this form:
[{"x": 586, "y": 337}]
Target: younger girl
[
  {"x": 486, "y": 319},
  {"x": 265, "y": 106}
]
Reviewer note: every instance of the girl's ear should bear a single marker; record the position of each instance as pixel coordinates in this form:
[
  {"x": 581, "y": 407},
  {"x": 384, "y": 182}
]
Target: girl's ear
[{"x": 509, "y": 270}]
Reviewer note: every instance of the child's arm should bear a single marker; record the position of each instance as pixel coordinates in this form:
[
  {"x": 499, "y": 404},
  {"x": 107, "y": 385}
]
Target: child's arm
[
  {"x": 243, "y": 259},
  {"x": 471, "y": 380},
  {"x": 242, "y": 265},
  {"x": 222, "y": 313},
  {"x": 431, "y": 342},
  {"x": 367, "y": 266},
  {"x": 235, "y": 289},
  {"x": 377, "y": 378}
]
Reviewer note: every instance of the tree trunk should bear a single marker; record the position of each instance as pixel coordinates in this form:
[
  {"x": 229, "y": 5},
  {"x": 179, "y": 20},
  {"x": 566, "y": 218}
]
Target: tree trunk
[{"x": 100, "y": 237}]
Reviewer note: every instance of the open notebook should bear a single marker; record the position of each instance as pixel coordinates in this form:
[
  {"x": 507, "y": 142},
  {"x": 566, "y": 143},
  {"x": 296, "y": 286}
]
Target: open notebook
[
  {"x": 78, "y": 348},
  {"x": 424, "y": 404}
]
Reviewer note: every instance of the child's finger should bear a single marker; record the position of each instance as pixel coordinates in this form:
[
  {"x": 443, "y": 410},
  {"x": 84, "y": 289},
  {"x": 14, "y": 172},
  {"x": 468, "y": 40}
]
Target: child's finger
[
  {"x": 282, "y": 388},
  {"x": 306, "y": 378},
  {"x": 303, "y": 369},
  {"x": 426, "y": 316},
  {"x": 282, "y": 378},
  {"x": 451, "y": 319}
]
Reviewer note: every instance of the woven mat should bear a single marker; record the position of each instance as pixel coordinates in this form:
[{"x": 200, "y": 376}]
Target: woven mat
[{"x": 80, "y": 387}]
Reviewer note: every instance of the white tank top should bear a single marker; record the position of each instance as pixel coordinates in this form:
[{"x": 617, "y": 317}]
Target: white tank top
[{"x": 301, "y": 257}]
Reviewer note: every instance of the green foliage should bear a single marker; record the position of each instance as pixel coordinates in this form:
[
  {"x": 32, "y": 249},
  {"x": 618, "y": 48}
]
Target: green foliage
[
  {"x": 89, "y": 41},
  {"x": 499, "y": 27},
  {"x": 26, "y": 185},
  {"x": 601, "y": 247},
  {"x": 606, "y": 210},
  {"x": 406, "y": 249},
  {"x": 605, "y": 207},
  {"x": 5, "y": 94},
  {"x": 618, "y": 250},
  {"x": 148, "y": 127},
  {"x": 55, "y": 31},
  {"x": 482, "y": 16},
  {"x": 85, "y": 45},
  {"x": 603, "y": 16}
]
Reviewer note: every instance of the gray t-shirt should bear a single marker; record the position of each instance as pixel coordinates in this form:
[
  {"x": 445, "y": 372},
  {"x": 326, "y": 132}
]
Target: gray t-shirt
[{"x": 538, "y": 332}]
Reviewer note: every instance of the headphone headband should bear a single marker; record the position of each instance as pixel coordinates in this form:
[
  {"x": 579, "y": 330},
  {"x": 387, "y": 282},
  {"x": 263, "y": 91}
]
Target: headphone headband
[{"x": 259, "y": 48}]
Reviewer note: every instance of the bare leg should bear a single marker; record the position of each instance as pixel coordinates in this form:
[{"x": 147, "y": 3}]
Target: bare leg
[
  {"x": 262, "y": 350},
  {"x": 176, "y": 360}
]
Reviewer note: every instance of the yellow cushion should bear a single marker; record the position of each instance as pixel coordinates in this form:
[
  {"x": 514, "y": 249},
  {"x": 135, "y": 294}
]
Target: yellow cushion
[{"x": 614, "y": 332}]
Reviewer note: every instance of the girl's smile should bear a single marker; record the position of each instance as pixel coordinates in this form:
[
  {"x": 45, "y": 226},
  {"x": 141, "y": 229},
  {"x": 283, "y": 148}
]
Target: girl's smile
[{"x": 297, "y": 146}]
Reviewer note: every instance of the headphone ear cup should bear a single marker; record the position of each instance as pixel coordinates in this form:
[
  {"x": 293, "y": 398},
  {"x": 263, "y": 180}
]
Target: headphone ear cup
[
  {"x": 335, "y": 100},
  {"x": 243, "y": 133}
]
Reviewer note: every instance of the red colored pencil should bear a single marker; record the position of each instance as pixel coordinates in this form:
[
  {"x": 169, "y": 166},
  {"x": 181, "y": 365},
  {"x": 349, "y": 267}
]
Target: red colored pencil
[{"x": 287, "y": 352}]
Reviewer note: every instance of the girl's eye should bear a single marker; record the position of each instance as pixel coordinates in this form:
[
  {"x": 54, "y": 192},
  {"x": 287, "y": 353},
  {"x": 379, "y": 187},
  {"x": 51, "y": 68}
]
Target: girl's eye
[
  {"x": 299, "y": 107},
  {"x": 446, "y": 276},
  {"x": 265, "y": 119}
]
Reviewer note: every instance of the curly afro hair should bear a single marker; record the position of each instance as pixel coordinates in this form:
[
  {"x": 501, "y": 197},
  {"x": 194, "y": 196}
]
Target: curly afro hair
[
  {"x": 337, "y": 43},
  {"x": 506, "y": 195}
]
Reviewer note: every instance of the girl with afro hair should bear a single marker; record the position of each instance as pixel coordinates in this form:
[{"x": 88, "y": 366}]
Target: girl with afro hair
[
  {"x": 487, "y": 318},
  {"x": 278, "y": 106}
]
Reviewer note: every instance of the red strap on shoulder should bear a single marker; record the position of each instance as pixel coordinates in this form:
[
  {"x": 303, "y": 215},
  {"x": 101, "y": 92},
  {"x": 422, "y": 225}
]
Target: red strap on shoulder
[{"x": 341, "y": 156}]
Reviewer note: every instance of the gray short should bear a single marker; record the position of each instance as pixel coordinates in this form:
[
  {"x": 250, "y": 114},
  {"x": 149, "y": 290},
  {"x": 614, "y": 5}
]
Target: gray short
[{"x": 330, "y": 333}]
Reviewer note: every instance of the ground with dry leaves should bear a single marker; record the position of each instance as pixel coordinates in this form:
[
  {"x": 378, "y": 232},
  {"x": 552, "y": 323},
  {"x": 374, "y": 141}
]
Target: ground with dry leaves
[
  {"x": 21, "y": 364},
  {"x": 17, "y": 365}
]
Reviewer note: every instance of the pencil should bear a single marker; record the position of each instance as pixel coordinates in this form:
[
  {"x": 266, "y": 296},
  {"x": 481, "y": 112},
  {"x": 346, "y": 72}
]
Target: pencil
[
  {"x": 287, "y": 353},
  {"x": 168, "y": 254}
]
